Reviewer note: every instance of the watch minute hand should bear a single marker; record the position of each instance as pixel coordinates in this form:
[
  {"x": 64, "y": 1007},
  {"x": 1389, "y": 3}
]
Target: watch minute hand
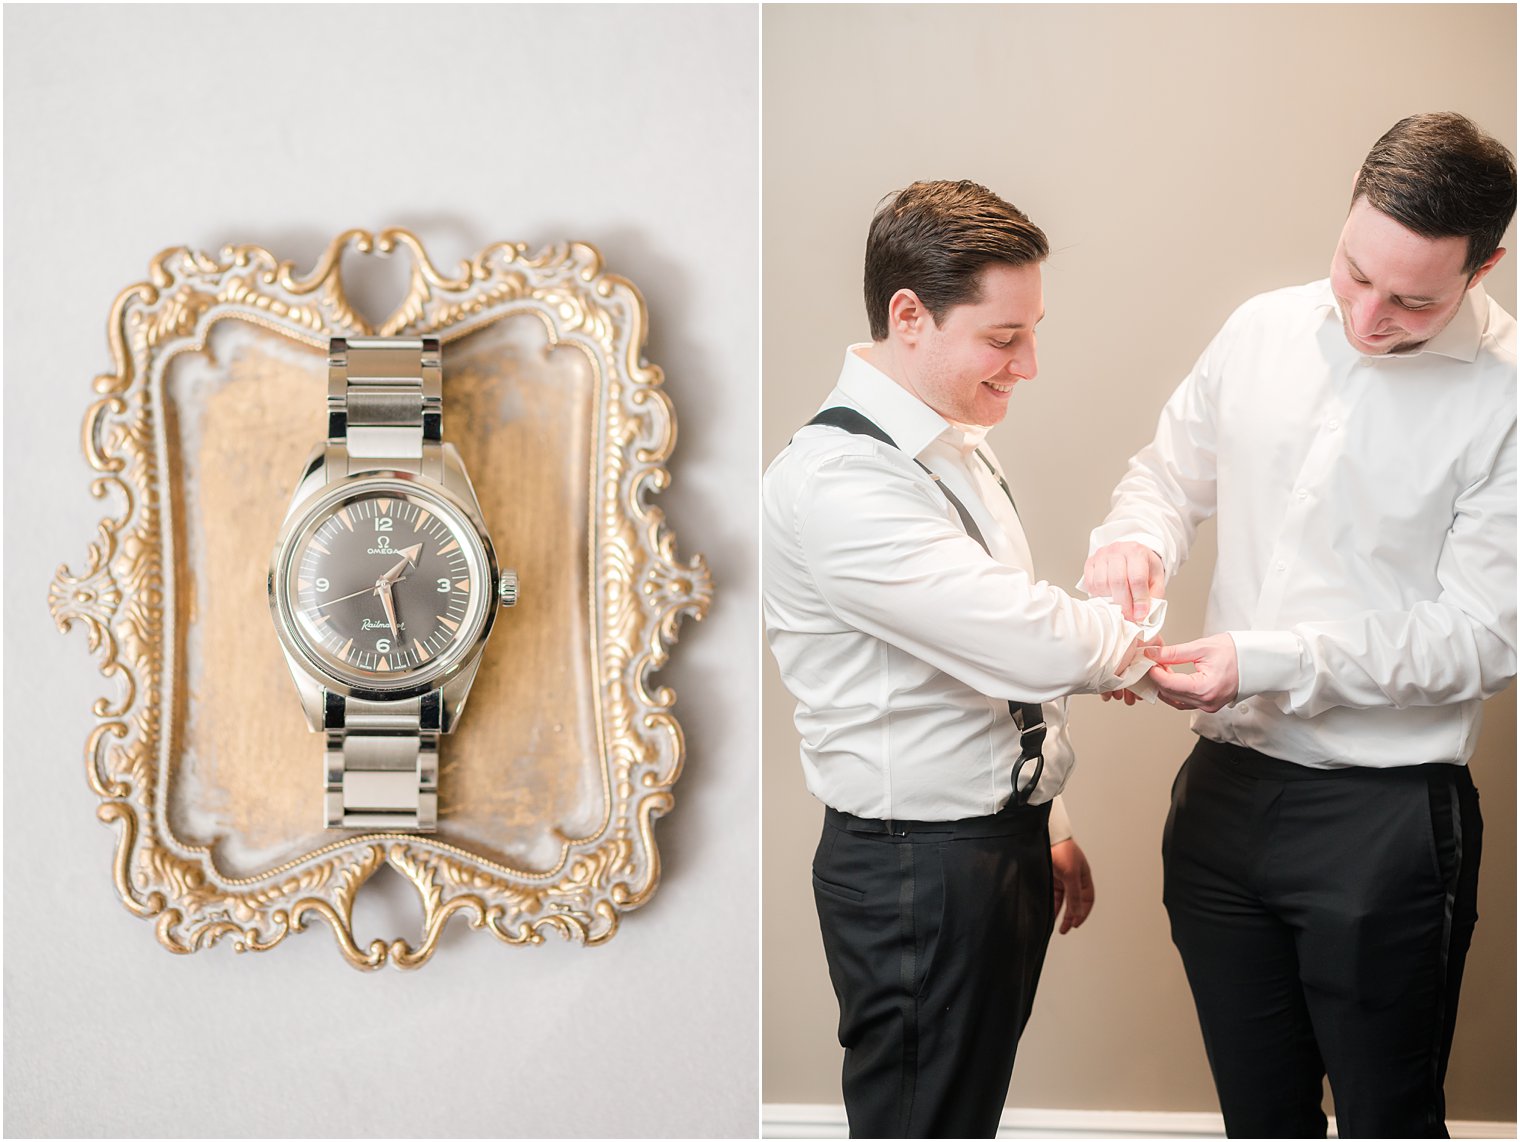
[{"x": 383, "y": 588}]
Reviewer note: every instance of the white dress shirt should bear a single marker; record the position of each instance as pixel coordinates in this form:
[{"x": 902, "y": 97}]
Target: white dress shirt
[
  {"x": 900, "y": 637},
  {"x": 1366, "y": 527}
]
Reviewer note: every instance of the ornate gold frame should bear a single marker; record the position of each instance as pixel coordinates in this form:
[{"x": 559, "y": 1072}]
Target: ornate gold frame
[{"x": 126, "y": 600}]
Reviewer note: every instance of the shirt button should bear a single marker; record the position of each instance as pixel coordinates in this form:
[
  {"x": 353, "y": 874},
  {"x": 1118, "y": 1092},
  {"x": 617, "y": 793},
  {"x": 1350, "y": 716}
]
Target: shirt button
[
  {"x": 1332, "y": 425},
  {"x": 1282, "y": 566},
  {"x": 1303, "y": 494}
]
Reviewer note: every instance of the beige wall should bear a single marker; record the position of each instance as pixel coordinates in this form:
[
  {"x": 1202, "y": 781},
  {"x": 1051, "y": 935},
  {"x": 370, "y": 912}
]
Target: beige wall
[{"x": 1180, "y": 159}]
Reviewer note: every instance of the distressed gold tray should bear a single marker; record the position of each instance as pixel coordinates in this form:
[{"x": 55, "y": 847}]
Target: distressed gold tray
[{"x": 549, "y": 790}]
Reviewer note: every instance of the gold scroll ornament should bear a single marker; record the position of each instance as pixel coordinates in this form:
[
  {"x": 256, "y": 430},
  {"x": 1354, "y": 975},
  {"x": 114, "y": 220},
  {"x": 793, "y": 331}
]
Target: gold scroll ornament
[{"x": 567, "y": 754}]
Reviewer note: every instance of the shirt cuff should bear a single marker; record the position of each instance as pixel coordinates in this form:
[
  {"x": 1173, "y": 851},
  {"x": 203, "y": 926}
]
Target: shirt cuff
[
  {"x": 1060, "y": 823},
  {"x": 1268, "y": 661},
  {"x": 1134, "y": 674}
]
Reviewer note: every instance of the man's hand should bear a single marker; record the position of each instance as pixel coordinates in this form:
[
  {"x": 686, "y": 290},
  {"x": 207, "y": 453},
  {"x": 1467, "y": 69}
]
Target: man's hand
[
  {"x": 1073, "y": 883},
  {"x": 1128, "y": 573},
  {"x": 1214, "y": 683}
]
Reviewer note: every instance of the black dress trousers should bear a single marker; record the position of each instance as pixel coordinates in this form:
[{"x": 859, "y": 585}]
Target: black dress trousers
[
  {"x": 935, "y": 933},
  {"x": 1323, "y": 918}
]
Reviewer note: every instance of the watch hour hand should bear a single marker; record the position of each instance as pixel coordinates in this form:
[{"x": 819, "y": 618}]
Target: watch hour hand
[{"x": 409, "y": 556}]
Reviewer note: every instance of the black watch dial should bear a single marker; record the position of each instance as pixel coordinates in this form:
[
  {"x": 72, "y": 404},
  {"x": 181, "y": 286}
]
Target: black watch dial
[{"x": 386, "y": 585}]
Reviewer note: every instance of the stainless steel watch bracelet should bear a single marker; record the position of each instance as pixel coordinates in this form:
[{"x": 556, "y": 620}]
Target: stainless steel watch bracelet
[
  {"x": 381, "y": 765},
  {"x": 384, "y": 411},
  {"x": 385, "y": 404}
]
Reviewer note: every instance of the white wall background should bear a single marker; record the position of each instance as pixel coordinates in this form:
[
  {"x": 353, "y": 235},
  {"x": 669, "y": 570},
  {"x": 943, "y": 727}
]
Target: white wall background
[
  {"x": 1181, "y": 158},
  {"x": 130, "y": 129}
]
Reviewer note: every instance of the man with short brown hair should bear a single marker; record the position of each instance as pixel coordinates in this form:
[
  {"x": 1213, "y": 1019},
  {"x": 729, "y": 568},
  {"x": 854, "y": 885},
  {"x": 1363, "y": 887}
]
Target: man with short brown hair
[
  {"x": 1356, "y": 437},
  {"x": 930, "y": 668}
]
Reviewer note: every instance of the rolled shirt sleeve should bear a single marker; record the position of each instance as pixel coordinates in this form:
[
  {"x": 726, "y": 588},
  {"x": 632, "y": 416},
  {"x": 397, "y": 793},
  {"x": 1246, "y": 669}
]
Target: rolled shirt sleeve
[{"x": 1060, "y": 820}]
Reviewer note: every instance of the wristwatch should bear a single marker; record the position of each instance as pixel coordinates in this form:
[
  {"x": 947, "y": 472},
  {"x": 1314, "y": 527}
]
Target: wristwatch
[{"x": 384, "y": 584}]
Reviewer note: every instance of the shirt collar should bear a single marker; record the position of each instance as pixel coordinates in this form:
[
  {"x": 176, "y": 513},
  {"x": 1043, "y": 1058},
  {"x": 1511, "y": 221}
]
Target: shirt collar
[
  {"x": 1459, "y": 340},
  {"x": 966, "y": 437},
  {"x": 911, "y": 423}
]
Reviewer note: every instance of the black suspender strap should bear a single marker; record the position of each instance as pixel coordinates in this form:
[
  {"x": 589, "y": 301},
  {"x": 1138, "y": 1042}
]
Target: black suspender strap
[{"x": 1029, "y": 717}]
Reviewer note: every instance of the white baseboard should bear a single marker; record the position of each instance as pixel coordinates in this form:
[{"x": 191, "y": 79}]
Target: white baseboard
[
  {"x": 802, "y": 1120},
  {"x": 823, "y": 1120}
]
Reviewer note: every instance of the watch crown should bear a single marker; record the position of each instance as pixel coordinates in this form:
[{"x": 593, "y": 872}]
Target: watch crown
[{"x": 506, "y": 589}]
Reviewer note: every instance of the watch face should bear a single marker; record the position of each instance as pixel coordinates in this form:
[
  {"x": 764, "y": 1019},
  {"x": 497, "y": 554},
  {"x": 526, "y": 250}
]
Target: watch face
[{"x": 384, "y": 586}]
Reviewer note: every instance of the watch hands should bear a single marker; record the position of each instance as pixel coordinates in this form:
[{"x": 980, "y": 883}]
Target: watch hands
[
  {"x": 390, "y": 578},
  {"x": 373, "y": 589},
  {"x": 393, "y": 576},
  {"x": 383, "y": 587},
  {"x": 409, "y": 555}
]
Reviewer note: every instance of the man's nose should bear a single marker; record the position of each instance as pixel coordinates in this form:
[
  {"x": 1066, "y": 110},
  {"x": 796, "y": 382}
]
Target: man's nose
[
  {"x": 1024, "y": 364},
  {"x": 1368, "y": 314}
]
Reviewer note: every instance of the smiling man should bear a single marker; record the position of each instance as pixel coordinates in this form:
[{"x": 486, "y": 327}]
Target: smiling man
[
  {"x": 930, "y": 668},
  {"x": 1356, "y": 437}
]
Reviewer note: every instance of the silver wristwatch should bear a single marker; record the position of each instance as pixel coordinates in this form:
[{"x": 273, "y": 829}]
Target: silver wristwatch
[{"x": 384, "y": 584}]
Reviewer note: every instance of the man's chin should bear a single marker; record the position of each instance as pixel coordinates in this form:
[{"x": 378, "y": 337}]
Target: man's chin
[{"x": 1380, "y": 346}]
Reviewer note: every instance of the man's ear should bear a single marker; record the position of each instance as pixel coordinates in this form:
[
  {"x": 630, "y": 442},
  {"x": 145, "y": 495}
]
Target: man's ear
[
  {"x": 906, "y": 316},
  {"x": 1482, "y": 271}
]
